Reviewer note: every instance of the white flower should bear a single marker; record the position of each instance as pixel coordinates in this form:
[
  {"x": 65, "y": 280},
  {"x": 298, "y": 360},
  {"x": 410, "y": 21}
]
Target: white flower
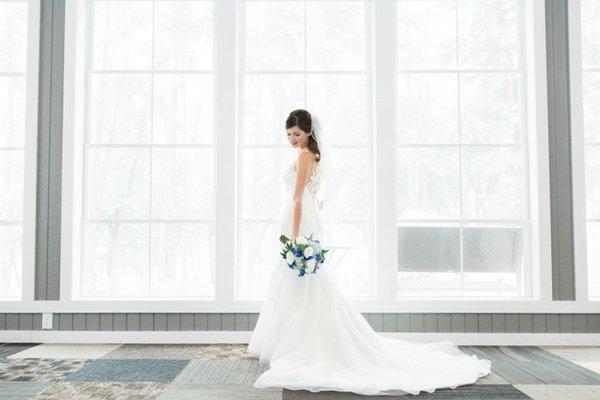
[
  {"x": 309, "y": 251},
  {"x": 310, "y": 265},
  {"x": 301, "y": 240},
  {"x": 289, "y": 257}
]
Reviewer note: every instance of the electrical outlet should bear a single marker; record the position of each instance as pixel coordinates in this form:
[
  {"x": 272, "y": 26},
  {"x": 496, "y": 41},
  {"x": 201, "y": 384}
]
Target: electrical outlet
[{"x": 47, "y": 321}]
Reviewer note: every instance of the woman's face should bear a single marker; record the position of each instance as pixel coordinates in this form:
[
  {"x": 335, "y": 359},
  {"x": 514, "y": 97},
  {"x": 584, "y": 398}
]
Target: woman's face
[{"x": 297, "y": 137}]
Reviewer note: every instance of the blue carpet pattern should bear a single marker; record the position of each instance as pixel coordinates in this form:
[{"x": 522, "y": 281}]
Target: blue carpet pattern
[{"x": 226, "y": 371}]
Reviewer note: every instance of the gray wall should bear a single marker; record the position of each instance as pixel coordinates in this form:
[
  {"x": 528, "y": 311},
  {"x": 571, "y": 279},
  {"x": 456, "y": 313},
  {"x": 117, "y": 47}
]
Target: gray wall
[
  {"x": 382, "y": 322},
  {"x": 559, "y": 143},
  {"x": 48, "y": 200},
  {"x": 48, "y": 224}
]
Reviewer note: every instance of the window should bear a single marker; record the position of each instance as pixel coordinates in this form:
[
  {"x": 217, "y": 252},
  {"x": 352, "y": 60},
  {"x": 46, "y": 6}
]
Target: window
[
  {"x": 313, "y": 55},
  {"x": 585, "y": 98},
  {"x": 147, "y": 194},
  {"x": 18, "y": 115},
  {"x": 463, "y": 149},
  {"x": 175, "y": 147}
]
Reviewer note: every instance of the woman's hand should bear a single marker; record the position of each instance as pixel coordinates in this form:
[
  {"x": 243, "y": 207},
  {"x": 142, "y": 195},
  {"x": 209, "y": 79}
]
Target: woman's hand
[{"x": 294, "y": 236}]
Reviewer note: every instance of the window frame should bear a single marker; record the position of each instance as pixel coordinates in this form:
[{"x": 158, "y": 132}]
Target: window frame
[
  {"x": 369, "y": 145},
  {"x": 83, "y": 145},
  {"x": 539, "y": 202},
  {"x": 578, "y": 155},
  {"x": 526, "y": 273}
]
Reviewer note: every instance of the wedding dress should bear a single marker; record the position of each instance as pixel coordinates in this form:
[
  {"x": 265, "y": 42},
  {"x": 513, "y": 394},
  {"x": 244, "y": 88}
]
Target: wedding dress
[{"x": 314, "y": 339}]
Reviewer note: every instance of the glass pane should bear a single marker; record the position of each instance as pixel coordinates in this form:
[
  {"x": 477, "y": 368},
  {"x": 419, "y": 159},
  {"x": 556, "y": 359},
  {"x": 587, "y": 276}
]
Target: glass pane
[
  {"x": 348, "y": 257},
  {"x": 426, "y": 34},
  {"x": 492, "y": 249},
  {"x": 490, "y": 108},
  {"x": 13, "y": 67},
  {"x": 339, "y": 101},
  {"x": 592, "y": 181},
  {"x": 183, "y": 183},
  {"x": 275, "y": 35},
  {"x": 590, "y": 33},
  {"x": 183, "y": 35},
  {"x": 428, "y": 284},
  {"x": 122, "y": 34},
  {"x": 12, "y": 110},
  {"x": 118, "y": 183},
  {"x": 493, "y": 260},
  {"x": 258, "y": 257},
  {"x": 12, "y": 165},
  {"x": 427, "y": 183},
  {"x": 488, "y": 34},
  {"x": 593, "y": 259},
  {"x": 335, "y": 35},
  {"x": 494, "y": 284},
  {"x": 11, "y": 267},
  {"x": 120, "y": 108},
  {"x": 116, "y": 260},
  {"x": 267, "y": 106},
  {"x": 591, "y": 105},
  {"x": 13, "y": 36},
  {"x": 262, "y": 169},
  {"x": 427, "y": 108},
  {"x": 492, "y": 180},
  {"x": 354, "y": 172},
  {"x": 183, "y": 108},
  {"x": 182, "y": 260},
  {"x": 429, "y": 248}
]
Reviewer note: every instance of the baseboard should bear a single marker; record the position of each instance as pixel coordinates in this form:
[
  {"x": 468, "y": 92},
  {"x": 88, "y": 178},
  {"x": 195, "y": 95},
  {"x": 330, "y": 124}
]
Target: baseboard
[{"x": 489, "y": 339}]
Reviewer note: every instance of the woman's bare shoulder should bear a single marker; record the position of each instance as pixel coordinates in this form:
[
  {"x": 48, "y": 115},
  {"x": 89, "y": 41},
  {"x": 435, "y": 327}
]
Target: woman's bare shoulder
[
  {"x": 306, "y": 158},
  {"x": 307, "y": 154}
]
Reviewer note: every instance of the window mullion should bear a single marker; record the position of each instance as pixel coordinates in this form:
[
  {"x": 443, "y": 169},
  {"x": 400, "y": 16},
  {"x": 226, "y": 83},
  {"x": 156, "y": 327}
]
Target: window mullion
[
  {"x": 151, "y": 155},
  {"x": 578, "y": 150},
  {"x": 460, "y": 156},
  {"x": 384, "y": 78},
  {"x": 224, "y": 31},
  {"x": 29, "y": 149}
]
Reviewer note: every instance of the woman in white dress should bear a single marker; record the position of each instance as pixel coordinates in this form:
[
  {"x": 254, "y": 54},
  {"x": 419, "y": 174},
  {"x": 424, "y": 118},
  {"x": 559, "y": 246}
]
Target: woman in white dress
[{"x": 313, "y": 338}]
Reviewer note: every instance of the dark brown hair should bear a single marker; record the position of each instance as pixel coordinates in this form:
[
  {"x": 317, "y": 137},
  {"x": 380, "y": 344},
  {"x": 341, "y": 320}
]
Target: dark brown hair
[{"x": 303, "y": 119}]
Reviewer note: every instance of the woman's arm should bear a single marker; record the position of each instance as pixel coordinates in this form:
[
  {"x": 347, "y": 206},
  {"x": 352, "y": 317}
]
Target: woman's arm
[{"x": 304, "y": 161}]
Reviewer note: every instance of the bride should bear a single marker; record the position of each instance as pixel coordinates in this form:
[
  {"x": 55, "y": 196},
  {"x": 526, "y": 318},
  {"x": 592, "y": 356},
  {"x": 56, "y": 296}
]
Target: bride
[{"x": 313, "y": 338}]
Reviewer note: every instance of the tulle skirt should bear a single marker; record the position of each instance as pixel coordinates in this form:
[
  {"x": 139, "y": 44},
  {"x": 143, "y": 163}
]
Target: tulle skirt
[{"x": 314, "y": 339}]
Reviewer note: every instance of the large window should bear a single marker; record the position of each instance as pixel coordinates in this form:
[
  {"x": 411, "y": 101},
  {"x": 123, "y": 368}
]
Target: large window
[
  {"x": 463, "y": 149},
  {"x": 585, "y": 96},
  {"x": 175, "y": 146},
  {"x": 313, "y": 55},
  {"x": 147, "y": 194},
  {"x": 18, "y": 77}
]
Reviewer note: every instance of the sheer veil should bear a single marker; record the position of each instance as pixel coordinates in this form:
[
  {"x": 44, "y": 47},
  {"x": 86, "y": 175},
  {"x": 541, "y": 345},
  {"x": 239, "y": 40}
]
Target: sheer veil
[{"x": 329, "y": 178}]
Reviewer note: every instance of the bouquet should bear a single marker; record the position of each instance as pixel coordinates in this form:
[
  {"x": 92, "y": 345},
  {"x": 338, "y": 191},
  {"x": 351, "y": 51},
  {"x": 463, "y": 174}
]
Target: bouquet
[{"x": 305, "y": 255}]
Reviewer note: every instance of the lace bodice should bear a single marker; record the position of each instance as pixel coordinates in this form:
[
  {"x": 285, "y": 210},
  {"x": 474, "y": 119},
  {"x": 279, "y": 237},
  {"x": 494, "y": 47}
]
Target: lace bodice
[
  {"x": 310, "y": 222},
  {"x": 313, "y": 182}
]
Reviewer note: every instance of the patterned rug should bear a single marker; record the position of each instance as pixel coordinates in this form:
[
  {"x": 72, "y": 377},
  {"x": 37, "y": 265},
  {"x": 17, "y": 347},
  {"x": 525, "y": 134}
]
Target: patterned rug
[{"x": 227, "y": 371}]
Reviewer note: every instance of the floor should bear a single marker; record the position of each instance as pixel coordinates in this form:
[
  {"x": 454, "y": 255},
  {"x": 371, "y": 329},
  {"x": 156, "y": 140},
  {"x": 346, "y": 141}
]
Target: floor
[{"x": 226, "y": 371}]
